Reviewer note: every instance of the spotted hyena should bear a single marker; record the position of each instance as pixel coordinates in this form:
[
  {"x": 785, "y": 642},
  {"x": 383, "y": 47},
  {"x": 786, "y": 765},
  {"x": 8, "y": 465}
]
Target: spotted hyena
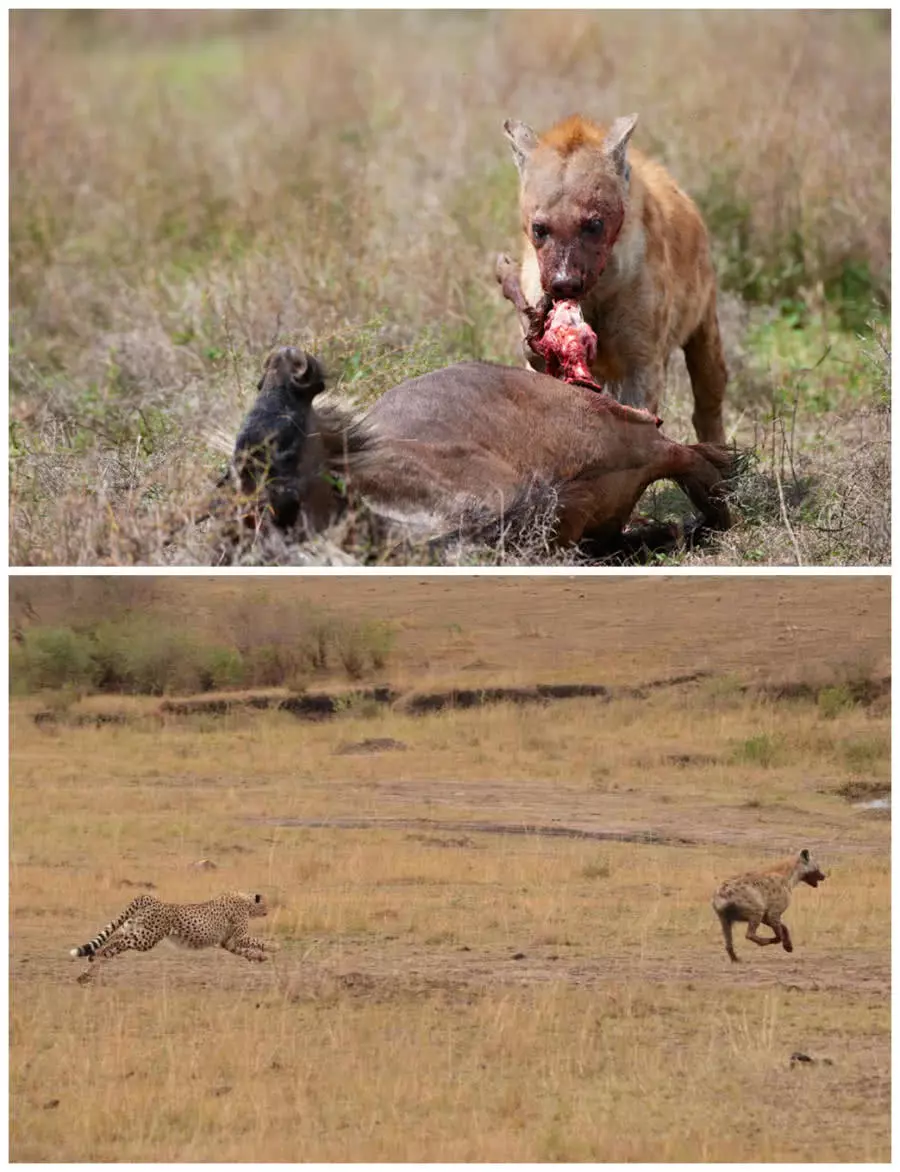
[
  {"x": 762, "y": 897},
  {"x": 608, "y": 227}
]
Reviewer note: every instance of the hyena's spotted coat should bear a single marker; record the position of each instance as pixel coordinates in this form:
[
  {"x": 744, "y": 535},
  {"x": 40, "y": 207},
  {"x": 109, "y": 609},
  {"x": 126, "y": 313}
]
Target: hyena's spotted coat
[{"x": 762, "y": 897}]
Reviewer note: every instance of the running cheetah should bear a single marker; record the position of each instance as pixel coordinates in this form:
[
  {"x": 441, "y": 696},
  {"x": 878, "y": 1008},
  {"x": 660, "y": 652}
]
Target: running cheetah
[
  {"x": 762, "y": 897},
  {"x": 219, "y": 922}
]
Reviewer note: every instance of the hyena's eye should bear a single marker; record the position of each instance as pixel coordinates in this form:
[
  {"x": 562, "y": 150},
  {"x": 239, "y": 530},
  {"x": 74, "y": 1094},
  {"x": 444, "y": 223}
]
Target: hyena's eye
[
  {"x": 539, "y": 232},
  {"x": 592, "y": 227}
]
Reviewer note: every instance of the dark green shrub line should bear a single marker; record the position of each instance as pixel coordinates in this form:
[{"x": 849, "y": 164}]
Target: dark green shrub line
[{"x": 144, "y": 655}]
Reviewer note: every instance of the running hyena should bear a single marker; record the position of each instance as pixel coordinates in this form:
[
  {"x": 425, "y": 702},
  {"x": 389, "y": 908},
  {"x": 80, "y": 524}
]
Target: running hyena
[{"x": 762, "y": 897}]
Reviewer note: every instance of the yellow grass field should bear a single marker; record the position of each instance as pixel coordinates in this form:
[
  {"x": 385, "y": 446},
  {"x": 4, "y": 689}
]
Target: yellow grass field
[{"x": 496, "y": 940}]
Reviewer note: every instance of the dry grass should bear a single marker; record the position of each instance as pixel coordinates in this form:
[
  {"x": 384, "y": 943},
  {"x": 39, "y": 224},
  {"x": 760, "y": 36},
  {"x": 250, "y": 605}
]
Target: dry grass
[
  {"x": 184, "y": 196},
  {"x": 447, "y": 988}
]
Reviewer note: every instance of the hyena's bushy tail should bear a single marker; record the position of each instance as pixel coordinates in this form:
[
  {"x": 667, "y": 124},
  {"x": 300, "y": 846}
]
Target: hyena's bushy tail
[
  {"x": 104, "y": 934},
  {"x": 727, "y": 917}
]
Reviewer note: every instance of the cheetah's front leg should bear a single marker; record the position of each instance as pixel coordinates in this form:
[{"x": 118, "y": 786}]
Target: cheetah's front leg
[{"x": 249, "y": 948}]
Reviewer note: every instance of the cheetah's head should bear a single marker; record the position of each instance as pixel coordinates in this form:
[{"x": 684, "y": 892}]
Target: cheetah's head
[{"x": 256, "y": 904}]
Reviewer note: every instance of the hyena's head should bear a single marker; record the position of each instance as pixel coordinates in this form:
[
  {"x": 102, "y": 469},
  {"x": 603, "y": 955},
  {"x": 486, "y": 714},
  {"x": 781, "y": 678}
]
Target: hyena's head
[
  {"x": 573, "y": 193},
  {"x": 808, "y": 870}
]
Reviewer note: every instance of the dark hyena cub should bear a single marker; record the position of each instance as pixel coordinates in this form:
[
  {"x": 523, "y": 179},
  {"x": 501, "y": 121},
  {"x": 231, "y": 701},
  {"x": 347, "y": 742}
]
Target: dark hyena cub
[{"x": 762, "y": 897}]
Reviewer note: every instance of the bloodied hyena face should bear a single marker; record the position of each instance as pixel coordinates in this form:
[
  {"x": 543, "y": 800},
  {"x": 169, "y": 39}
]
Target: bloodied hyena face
[{"x": 574, "y": 187}]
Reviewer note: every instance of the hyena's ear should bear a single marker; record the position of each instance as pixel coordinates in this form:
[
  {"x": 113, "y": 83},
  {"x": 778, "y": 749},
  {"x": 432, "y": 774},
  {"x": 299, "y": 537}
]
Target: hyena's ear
[
  {"x": 616, "y": 143},
  {"x": 804, "y": 855},
  {"x": 523, "y": 141}
]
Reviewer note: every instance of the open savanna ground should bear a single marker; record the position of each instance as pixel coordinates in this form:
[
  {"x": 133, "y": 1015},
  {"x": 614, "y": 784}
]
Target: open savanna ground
[
  {"x": 494, "y": 925},
  {"x": 190, "y": 189}
]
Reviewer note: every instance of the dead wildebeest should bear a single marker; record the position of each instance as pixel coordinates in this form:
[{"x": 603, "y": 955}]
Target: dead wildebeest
[{"x": 473, "y": 450}]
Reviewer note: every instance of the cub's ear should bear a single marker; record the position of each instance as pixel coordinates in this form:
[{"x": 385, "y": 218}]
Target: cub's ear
[
  {"x": 616, "y": 143},
  {"x": 257, "y": 898},
  {"x": 523, "y": 141},
  {"x": 804, "y": 855}
]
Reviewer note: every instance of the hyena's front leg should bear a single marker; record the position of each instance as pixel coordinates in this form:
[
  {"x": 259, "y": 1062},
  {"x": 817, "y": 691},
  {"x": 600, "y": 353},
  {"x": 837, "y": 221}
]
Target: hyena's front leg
[
  {"x": 643, "y": 387},
  {"x": 752, "y": 928},
  {"x": 780, "y": 930},
  {"x": 709, "y": 376}
]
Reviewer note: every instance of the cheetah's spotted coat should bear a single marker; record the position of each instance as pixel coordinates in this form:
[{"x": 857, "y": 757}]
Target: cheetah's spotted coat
[{"x": 221, "y": 922}]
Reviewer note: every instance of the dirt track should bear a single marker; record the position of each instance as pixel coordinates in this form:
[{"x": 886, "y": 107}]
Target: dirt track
[{"x": 390, "y": 970}]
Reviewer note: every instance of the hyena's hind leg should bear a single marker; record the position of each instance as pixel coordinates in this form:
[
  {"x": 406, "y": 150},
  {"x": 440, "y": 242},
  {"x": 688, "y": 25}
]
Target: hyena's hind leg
[{"x": 709, "y": 376}]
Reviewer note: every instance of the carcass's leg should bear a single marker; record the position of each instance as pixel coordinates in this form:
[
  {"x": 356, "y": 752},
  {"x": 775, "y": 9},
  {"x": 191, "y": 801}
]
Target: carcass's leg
[{"x": 699, "y": 469}]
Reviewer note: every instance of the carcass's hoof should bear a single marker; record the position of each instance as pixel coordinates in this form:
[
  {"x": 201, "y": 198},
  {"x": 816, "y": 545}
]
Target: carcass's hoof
[{"x": 504, "y": 267}]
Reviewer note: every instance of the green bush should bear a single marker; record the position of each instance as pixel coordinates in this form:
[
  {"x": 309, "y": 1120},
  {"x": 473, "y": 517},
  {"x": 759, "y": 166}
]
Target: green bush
[
  {"x": 138, "y": 654},
  {"x": 762, "y": 750},
  {"x": 220, "y": 667},
  {"x": 147, "y": 654},
  {"x": 51, "y": 657},
  {"x": 834, "y": 700}
]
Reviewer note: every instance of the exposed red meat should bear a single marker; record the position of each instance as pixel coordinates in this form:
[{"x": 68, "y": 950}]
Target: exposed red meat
[{"x": 568, "y": 344}]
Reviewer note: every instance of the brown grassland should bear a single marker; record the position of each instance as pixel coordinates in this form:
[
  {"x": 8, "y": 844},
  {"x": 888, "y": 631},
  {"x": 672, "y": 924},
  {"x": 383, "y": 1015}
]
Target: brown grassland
[
  {"x": 188, "y": 189},
  {"x": 496, "y": 940}
]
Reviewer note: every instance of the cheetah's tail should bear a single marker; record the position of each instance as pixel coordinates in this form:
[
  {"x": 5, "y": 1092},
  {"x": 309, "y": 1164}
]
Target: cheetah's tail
[{"x": 103, "y": 935}]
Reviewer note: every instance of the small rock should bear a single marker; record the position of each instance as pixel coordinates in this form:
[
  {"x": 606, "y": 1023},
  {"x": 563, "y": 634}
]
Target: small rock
[
  {"x": 518, "y": 956},
  {"x": 50, "y": 1104},
  {"x": 205, "y": 865}
]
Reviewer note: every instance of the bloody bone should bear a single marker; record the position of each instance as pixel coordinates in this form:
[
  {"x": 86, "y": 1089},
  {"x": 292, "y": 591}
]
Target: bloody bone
[
  {"x": 558, "y": 333},
  {"x": 568, "y": 345}
]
